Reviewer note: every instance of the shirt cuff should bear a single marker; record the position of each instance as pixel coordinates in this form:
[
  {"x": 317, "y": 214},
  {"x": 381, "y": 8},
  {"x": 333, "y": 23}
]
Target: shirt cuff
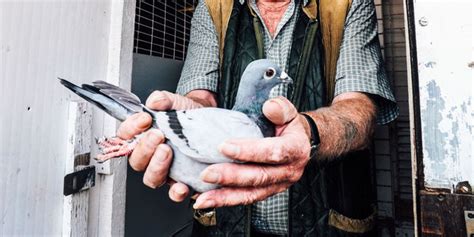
[
  {"x": 197, "y": 83},
  {"x": 387, "y": 109}
]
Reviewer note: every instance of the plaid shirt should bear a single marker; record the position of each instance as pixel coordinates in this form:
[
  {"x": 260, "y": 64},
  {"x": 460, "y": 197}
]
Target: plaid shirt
[{"x": 359, "y": 69}]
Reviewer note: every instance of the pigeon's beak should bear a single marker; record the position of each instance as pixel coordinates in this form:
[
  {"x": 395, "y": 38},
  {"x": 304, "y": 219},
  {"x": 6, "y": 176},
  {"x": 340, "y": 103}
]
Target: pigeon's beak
[{"x": 285, "y": 78}]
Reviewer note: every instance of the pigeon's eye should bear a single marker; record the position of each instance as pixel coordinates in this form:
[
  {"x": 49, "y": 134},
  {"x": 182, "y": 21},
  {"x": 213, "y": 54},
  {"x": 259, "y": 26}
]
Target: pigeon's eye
[{"x": 269, "y": 74}]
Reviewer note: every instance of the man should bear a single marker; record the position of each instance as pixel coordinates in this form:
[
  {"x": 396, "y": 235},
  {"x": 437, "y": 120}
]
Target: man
[{"x": 287, "y": 187}]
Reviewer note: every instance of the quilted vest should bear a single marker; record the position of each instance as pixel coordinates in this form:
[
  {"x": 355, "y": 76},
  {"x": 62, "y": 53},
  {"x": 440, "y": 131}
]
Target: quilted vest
[{"x": 332, "y": 198}]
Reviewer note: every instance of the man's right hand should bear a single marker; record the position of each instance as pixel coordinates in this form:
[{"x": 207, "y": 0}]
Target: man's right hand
[{"x": 151, "y": 154}]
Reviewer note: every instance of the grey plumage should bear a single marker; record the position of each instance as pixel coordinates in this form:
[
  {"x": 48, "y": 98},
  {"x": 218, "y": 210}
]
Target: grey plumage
[{"x": 194, "y": 135}]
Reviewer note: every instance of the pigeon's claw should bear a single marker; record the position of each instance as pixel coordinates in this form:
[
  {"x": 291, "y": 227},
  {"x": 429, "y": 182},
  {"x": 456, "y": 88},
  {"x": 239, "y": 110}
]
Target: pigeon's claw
[
  {"x": 105, "y": 142},
  {"x": 114, "y": 147}
]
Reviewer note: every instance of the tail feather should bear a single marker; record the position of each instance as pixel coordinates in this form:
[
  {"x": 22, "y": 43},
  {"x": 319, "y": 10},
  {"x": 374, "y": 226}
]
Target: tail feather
[
  {"x": 115, "y": 107},
  {"x": 123, "y": 97},
  {"x": 104, "y": 86}
]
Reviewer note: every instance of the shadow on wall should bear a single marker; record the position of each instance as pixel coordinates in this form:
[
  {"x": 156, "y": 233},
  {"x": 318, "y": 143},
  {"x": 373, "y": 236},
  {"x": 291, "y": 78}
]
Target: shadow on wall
[{"x": 150, "y": 212}]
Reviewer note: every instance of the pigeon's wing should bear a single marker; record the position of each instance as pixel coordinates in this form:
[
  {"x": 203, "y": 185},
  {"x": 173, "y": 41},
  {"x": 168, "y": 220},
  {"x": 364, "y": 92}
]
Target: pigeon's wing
[
  {"x": 125, "y": 98},
  {"x": 117, "y": 108},
  {"x": 198, "y": 133}
]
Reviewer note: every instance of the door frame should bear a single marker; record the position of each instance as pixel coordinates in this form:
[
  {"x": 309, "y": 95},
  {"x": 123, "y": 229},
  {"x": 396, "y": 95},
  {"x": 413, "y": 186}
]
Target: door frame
[{"x": 107, "y": 199}]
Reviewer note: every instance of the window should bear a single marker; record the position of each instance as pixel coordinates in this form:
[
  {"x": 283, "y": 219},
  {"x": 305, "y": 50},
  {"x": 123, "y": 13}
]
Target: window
[{"x": 162, "y": 27}]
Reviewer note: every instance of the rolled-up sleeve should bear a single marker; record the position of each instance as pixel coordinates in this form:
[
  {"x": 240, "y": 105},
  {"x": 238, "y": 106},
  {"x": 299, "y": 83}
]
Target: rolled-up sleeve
[
  {"x": 201, "y": 67},
  {"x": 360, "y": 65}
]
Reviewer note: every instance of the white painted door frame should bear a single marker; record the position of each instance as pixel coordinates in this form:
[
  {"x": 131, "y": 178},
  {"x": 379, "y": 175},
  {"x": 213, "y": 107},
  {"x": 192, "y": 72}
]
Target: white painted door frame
[
  {"x": 441, "y": 92},
  {"x": 100, "y": 211},
  {"x": 41, "y": 131},
  {"x": 107, "y": 201}
]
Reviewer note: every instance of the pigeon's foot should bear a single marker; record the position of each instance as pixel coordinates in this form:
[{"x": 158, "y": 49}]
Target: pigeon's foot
[{"x": 114, "y": 147}]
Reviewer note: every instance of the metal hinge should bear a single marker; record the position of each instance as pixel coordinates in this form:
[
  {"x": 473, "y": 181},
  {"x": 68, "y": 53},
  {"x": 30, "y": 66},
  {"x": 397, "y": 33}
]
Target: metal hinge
[{"x": 79, "y": 181}]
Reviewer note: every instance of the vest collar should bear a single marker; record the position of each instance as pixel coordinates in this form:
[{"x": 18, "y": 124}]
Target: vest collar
[{"x": 305, "y": 2}]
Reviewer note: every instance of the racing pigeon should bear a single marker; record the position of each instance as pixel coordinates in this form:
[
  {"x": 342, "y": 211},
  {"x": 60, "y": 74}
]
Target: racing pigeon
[{"x": 194, "y": 135}]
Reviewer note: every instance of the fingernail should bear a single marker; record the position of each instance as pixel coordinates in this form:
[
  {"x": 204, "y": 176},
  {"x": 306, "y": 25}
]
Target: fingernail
[
  {"x": 273, "y": 110},
  {"x": 210, "y": 176},
  {"x": 161, "y": 153},
  {"x": 157, "y": 134},
  {"x": 275, "y": 103},
  {"x": 152, "y": 139},
  {"x": 148, "y": 183},
  {"x": 204, "y": 204},
  {"x": 230, "y": 149},
  {"x": 160, "y": 96},
  {"x": 143, "y": 118},
  {"x": 179, "y": 190}
]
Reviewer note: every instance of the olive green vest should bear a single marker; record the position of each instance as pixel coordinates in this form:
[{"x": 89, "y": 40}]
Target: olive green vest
[
  {"x": 330, "y": 13},
  {"x": 325, "y": 189},
  {"x": 244, "y": 44}
]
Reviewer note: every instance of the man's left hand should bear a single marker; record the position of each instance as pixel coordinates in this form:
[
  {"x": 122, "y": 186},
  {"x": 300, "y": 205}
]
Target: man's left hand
[{"x": 272, "y": 164}]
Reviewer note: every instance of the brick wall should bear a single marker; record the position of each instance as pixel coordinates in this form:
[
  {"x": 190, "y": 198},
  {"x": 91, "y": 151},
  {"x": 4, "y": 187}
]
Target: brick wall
[{"x": 392, "y": 142}]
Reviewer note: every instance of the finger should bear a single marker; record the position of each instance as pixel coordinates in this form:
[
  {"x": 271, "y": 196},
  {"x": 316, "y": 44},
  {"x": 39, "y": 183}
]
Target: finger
[
  {"x": 195, "y": 196},
  {"x": 236, "y": 196},
  {"x": 157, "y": 170},
  {"x": 279, "y": 110},
  {"x": 145, "y": 149},
  {"x": 245, "y": 175},
  {"x": 134, "y": 125},
  {"x": 178, "y": 192},
  {"x": 160, "y": 100},
  {"x": 164, "y": 100},
  {"x": 270, "y": 150}
]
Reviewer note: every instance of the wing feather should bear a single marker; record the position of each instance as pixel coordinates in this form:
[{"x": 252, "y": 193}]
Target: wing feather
[
  {"x": 198, "y": 133},
  {"x": 126, "y": 98}
]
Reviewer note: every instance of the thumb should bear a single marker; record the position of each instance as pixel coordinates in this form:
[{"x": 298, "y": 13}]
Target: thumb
[
  {"x": 279, "y": 110},
  {"x": 160, "y": 100},
  {"x": 164, "y": 100}
]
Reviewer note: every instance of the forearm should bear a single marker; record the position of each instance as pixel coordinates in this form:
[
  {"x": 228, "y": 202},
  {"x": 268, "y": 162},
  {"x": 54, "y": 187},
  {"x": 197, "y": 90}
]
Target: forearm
[{"x": 347, "y": 125}]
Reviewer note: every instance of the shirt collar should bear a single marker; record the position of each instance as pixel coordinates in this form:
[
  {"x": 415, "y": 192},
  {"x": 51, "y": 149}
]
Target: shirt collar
[{"x": 305, "y": 2}]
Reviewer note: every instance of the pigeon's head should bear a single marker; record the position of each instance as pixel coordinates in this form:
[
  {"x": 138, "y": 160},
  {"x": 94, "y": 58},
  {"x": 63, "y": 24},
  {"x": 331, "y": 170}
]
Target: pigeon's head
[{"x": 261, "y": 76}]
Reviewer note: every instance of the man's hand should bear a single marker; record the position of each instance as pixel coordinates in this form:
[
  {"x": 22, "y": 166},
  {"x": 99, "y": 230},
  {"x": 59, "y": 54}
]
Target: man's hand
[
  {"x": 278, "y": 162},
  {"x": 275, "y": 163},
  {"x": 151, "y": 154}
]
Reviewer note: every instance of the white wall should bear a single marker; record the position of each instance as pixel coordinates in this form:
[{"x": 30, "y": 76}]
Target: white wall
[
  {"x": 40, "y": 41},
  {"x": 445, "y": 45}
]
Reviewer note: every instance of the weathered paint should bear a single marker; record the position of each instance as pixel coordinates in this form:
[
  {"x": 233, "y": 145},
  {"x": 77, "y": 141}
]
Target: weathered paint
[
  {"x": 81, "y": 41},
  {"x": 443, "y": 214},
  {"x": 42, "y": 40},
  {"x": 78, "y": 143},
  {"x": 445, "y": 47},
  {"x": 107, "y": 206}
]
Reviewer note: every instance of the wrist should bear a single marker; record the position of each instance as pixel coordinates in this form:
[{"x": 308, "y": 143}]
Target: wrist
[
  {"x": 306, "y": 127},
  {"x": 313, "y": 133}
]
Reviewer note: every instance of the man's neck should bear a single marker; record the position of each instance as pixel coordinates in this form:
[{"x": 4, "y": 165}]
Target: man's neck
[{"x": 272, "y": 12}]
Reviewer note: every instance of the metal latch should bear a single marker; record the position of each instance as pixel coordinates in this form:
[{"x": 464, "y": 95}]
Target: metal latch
[
  {"x": 79, "y": 181},
  {"x": 469, "y": 217}
]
